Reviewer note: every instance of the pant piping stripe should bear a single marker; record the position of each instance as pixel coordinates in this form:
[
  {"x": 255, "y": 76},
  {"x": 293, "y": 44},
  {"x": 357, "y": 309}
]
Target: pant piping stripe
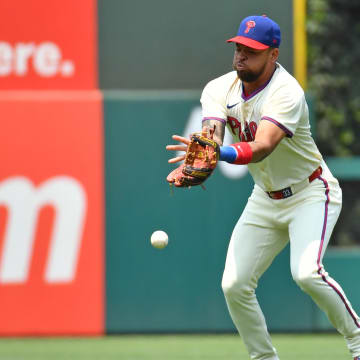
[
  {"x": 354, "y": 317},
  {"x": 325, "y": 218}
]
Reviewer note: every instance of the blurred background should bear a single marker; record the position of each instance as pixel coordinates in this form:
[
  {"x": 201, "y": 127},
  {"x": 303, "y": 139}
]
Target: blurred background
[{"x": 90, "y": 94}]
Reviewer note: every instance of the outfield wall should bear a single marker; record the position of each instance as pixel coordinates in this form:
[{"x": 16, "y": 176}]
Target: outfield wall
[
  {"x": 178, "y": 289},
  {"x": 81, "y": 212}
]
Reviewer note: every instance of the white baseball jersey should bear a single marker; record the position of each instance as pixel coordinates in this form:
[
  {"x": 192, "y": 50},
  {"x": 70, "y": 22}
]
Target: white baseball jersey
[{"x": 281, "y": 100}]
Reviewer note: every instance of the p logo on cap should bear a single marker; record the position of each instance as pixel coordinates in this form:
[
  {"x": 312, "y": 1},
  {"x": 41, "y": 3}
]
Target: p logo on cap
[{"x": 249, "y": 25}]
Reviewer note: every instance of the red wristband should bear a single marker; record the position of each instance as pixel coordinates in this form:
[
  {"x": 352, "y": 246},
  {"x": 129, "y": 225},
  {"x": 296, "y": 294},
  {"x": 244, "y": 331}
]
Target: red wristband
[{"x": 244, "y": 153}]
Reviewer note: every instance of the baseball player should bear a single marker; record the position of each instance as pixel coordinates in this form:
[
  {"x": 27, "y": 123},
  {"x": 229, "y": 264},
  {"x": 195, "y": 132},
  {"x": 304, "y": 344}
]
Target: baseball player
[{"x": 295, "y": 196}]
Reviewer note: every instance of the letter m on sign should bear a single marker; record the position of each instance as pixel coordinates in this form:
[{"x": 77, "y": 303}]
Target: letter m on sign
[{"x": 24, "y": 202}]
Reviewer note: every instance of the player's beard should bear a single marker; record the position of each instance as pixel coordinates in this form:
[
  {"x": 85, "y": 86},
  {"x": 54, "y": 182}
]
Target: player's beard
[{"x": 249, "y": 75}]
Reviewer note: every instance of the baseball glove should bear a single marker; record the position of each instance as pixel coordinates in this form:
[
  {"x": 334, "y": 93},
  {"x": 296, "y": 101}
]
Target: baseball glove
[{"x": 201, "y": 158}]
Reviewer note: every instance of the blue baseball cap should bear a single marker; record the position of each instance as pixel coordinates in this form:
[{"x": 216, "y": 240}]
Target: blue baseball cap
[{"x": 258, "y": 32}]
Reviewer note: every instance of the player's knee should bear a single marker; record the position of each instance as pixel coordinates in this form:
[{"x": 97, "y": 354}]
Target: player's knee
[
  {"x": 236, "y": 287},
  {"x": 305, "y": 279}
]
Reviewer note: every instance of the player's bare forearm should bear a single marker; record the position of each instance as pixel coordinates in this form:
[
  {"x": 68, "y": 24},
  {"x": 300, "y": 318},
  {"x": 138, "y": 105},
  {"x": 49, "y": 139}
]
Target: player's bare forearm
[
  {"x": 219, "y": 129},
  {"x": 268, "y": 136},
  {"x": 260, "y": 151}
]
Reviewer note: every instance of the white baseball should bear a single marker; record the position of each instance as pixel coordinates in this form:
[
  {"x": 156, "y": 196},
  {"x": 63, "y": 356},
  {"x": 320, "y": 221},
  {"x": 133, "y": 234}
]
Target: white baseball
[{"x": 159, "y": 239}]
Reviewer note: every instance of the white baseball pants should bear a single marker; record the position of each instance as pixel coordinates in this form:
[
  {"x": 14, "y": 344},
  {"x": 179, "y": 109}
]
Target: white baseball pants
[{"x": 307, "y": 219}]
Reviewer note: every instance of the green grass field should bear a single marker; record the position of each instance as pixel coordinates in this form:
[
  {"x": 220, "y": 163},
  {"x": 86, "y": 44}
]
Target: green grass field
[{"x": 169, "y": 347}]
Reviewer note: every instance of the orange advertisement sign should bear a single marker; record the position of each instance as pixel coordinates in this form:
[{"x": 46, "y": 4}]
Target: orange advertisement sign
[
  {"x": 48, "y": 44},
  {"x": 51, "y": 213}
]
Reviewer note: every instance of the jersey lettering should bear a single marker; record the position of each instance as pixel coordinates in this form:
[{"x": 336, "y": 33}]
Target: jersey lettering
[
  {"x": 247, "y": 134},
  {"x": 253, "y": 128}
]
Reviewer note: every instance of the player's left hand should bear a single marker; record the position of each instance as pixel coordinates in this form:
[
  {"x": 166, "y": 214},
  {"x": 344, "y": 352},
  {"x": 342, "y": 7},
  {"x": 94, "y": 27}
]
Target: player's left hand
[
  {"x": 178, "y": 148},
  {"x": 201, "y": 157}
]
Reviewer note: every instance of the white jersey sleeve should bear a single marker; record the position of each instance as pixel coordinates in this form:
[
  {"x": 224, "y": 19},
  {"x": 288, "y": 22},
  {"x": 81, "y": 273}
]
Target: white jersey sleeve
[
  {"x": 285, "y": 108},
  {"x": 214, "y": 96}
]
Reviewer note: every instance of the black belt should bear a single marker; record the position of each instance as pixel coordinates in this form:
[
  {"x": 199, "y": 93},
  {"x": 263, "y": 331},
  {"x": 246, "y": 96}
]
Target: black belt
[{"x": 287, "y": 192}]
